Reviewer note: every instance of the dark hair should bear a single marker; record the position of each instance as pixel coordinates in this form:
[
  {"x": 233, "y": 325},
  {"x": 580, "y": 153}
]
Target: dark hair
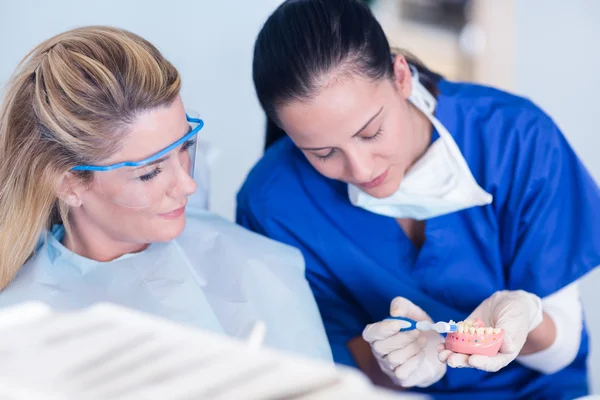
[{"x": 305, "y": 39}]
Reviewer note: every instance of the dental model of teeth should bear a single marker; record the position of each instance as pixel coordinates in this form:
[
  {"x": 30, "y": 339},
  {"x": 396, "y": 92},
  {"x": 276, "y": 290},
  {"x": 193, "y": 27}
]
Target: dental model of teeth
[{"x": 473, "y": 337}]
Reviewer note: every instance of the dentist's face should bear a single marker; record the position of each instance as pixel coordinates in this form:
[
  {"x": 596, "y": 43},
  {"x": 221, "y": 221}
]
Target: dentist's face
[{"x": 359, "y": 131}]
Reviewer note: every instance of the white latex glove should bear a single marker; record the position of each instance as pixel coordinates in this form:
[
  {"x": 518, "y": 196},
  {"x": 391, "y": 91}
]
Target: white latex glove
[
  {"x": 517, "y": 312},
  {"x": 408, "y": 358}
]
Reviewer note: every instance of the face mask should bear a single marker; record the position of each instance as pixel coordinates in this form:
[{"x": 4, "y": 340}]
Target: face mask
[{"x": 439, "y": 183}]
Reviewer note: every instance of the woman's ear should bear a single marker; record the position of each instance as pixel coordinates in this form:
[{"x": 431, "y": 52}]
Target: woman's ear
[
  {"x": 69, "y": 190},
  {"x": 402, "y": 76}
]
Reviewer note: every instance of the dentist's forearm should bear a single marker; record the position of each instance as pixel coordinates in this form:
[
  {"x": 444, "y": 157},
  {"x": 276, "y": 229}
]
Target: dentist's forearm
[{"x": 541, "y": 337}]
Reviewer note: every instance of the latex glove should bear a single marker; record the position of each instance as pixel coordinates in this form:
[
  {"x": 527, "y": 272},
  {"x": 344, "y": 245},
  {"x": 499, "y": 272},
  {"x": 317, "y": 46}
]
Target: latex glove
[
  {"x": 408, "y": 358},
  {"x": 517, "y": 312}
]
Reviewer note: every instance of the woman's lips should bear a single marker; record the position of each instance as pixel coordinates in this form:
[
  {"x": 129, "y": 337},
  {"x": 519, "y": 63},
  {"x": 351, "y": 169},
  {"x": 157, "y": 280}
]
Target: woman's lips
[
  {"x": 173, "y": 214},
  {"x": 375, "y": 182}
]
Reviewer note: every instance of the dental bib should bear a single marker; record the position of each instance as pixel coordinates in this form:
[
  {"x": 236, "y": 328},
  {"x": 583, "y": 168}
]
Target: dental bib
[{"x": 439, "y": 183}]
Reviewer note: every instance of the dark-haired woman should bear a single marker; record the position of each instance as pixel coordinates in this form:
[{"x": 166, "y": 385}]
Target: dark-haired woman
[{"x": 410, "y": 195}]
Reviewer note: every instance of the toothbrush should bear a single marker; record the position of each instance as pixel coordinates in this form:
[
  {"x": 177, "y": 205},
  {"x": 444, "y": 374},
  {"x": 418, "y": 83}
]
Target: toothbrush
[{"x": 439, "y": 327}]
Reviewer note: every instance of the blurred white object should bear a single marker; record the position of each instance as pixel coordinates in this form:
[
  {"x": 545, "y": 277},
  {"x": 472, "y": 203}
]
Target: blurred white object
[
  {"x": 23, "y": 313},
  {"x": 472, "y": 40},
  {"x": 109, "y": 352}
]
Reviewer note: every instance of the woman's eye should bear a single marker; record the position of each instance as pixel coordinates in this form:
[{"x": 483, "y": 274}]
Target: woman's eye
[
  {"x": 326, "y": 156},
  {"x": 187, "y": 144},
  {"x": 150, "y": 175},
  {"x": 373, "y": 137}
]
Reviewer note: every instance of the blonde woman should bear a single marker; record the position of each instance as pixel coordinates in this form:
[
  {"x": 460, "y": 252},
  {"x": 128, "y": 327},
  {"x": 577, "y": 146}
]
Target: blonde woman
[{"x": 96, "y": 163}]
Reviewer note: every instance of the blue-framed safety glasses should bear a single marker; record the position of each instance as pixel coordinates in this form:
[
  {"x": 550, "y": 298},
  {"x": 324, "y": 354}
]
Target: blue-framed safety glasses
[{"x": 140, "y": 184}]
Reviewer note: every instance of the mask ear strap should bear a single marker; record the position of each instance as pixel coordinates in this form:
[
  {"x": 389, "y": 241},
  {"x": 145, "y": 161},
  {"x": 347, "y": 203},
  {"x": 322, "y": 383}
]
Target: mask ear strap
[{"x": 420, "y": 96}]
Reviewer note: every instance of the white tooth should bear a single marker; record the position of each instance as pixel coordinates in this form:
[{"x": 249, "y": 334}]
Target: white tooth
[
  {"x": 480, "y": 331},
  {"x": 497, "y": 330},
  {"x": 489, "y": 330},
  {"x": 460, "y": 328},
  {"x": 472, "y": 330}
]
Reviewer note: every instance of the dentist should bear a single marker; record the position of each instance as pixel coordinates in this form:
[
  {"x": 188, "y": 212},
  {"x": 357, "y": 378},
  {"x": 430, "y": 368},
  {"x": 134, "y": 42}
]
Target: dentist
[{"x": 410, "y": 195}]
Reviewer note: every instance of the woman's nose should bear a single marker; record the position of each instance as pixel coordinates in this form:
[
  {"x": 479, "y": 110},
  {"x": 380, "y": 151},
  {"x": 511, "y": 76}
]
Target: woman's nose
[
  {"x": 185, "y": 185},
  {"x": 360, "y": 167},
  {"x": 188, "y": 184}
]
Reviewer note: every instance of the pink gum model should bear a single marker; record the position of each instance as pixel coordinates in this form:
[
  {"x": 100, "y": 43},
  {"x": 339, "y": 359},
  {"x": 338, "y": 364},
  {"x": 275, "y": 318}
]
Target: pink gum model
[{"x": 475, "y": 338}]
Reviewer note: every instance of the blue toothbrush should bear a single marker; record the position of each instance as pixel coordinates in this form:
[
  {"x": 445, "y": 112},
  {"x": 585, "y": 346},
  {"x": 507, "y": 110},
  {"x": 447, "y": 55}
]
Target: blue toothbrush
[{"x": 439, "y": 327}]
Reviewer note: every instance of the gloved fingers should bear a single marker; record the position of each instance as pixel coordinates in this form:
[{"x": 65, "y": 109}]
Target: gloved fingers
[
  {"x": 402, "y": 307},
  {"x": 395, "y": 342},
  {"x": 444, "y": 355},
  {"x": 383, "y": 329},
  {"x": 401, "y": 356},
  {"x": 508, "y": 345},
  {"x": 435, "y": 373},
  {"x": 429, "y": 372},
  {"x": 483, "y": 363},
  {"x": 440, "y": 347},
  {"x": 404, "y": 371},
  {"x": 458, "y": 360},
  {"x": 504, "y": 357},
  {"x": 384, "y": 366},
  {"x": 482, "y": 312},
  {"x": 421, "y": 377},
  {"x": 490, "y": 364}
]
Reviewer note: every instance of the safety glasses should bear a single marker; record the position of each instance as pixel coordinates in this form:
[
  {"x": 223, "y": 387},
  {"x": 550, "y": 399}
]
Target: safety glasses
[{"x": 140, "y": 184}]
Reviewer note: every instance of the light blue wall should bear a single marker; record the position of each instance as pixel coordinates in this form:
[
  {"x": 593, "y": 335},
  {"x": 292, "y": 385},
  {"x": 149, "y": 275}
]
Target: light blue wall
[
  {"x": 210, "y": 42},
  {"x": 558, "y": 66}
]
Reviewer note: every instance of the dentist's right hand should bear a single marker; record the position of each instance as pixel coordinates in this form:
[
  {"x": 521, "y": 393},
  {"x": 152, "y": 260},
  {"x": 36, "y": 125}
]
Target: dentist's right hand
[{"x": 408, "y": 358}]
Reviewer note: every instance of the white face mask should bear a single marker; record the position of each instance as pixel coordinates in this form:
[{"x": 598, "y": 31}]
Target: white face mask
[{"x": 440, "y": 182}]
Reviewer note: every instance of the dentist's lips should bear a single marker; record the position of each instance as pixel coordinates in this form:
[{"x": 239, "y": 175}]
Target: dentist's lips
[
  {"x": 174, "y": 214},
  {"x": 375, "y": 182}
]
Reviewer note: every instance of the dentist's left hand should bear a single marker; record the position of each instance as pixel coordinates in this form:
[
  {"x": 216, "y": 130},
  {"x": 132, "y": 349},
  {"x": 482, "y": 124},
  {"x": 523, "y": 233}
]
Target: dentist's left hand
[
  {"x": 408, "y": 358},
  {"x": 516, "y": 312}
]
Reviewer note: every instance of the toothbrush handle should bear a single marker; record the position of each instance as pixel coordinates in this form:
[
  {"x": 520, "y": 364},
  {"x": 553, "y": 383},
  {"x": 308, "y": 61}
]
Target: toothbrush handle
[{"x": 413, "y": 323}]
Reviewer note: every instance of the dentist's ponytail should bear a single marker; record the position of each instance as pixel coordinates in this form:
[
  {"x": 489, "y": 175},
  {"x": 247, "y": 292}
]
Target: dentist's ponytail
[
  {"x": 305, "y": 39},
  {"x": 273, "y": 133}
]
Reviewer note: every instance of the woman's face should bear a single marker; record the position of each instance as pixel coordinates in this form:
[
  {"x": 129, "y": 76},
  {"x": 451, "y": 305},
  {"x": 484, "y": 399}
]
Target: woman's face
[
  {"x": 359, "y": 131},
  {"x": 146, "y": 204}
]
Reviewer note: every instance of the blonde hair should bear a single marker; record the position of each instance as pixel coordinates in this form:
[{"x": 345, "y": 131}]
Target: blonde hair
[{"x": 69, "y": 102}]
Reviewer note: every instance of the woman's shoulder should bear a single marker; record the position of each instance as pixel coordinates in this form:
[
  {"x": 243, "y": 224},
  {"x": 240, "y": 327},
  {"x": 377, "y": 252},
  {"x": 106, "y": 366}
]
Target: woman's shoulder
[
  {"x": 487, "y": 121},
  {"x": 490, "y": 106},
  {"x": 483, "y": 95},
  {"x": 29, "y": 283}
]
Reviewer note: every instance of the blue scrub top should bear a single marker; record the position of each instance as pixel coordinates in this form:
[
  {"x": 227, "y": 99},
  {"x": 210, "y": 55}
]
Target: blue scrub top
[{"x": 541, "y": 232}]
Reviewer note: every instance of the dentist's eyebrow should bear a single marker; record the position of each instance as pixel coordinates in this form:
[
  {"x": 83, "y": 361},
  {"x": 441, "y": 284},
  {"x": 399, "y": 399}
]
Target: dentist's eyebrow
[{"x": 356, "y": 134}]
